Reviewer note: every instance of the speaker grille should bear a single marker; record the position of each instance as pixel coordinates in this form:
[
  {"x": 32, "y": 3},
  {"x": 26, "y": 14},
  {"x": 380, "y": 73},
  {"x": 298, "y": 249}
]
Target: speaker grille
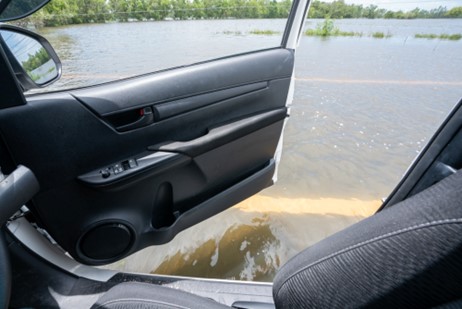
[{"x": 106, "y": 241}]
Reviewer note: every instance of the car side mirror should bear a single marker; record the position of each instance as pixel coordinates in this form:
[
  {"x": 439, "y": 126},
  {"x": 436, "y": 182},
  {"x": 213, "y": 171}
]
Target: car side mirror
[
  {"x": 16, "y": 9},
  {"x": 31, "y": 56}
]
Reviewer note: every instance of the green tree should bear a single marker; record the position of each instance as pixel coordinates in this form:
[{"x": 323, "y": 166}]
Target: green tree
[
  {"x": 454, "y": 12},
  {"x": 36, "y": 60}
]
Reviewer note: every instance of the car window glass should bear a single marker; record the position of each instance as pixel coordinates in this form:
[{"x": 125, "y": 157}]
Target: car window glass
[{"x": 119, "y": 41}]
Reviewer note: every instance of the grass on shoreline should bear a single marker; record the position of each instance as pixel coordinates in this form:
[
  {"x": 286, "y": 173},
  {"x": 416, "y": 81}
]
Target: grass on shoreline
[{"x": 444, "y": 36}]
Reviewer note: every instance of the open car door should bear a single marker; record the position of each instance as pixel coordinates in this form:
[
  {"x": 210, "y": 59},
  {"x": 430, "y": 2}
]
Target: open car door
[
  {"x": 131, "y": 163},
  {"x": 441, "y": 158}
]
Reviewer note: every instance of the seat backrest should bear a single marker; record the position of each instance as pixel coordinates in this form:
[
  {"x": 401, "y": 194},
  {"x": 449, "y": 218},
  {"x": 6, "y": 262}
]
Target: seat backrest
[{"x": 407, "y": 256}]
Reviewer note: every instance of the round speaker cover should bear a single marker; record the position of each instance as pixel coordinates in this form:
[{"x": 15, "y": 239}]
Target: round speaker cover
[{"x": 106, "y": 241}]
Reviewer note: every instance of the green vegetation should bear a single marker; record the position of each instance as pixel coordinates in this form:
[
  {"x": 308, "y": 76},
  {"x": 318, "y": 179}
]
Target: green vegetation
[
  {"x": 426, "y": 36},
  {"x": 453, "y": 37},
  {"x": 327, "y": 28},
  {"x": 63, "y": 12},
  {"x": 339, "y": 9},
  {"x": 381, "y": 35},
  {"x": 34, "y": 61},
  {"x": 336, "y": 32},
  {"x": 455, "y": 12},
  {"x": 232, "y": 32},
  {"x": 264, "y": 32}
]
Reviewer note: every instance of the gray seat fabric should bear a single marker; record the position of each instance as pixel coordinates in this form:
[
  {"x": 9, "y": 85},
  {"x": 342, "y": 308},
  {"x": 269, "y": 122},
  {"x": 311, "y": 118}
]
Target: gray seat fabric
[
  {"x": 407, "y": 256},
  {"x": 148, "y": 296}
]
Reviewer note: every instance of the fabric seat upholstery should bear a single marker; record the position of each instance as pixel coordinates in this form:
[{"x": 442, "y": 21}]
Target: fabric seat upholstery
[{"x": 407, "y": 256}]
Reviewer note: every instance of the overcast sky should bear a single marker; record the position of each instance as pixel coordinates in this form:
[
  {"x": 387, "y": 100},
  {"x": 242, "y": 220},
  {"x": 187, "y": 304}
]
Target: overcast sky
[{"x": 406, "y": 5}]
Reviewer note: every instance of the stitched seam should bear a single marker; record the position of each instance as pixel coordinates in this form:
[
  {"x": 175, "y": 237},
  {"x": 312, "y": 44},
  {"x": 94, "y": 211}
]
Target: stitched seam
[
  {"x": 110, "y": 302},
  {"x": 408, "y": 229}
]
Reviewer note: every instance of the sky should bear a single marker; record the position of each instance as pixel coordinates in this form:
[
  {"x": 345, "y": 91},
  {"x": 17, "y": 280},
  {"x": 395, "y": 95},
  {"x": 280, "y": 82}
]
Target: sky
[
  {"x": 21, "y": 46},
  {"x": 406, "y": 5}
]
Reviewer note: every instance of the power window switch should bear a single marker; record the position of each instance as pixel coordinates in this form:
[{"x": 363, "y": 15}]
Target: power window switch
[
  {"x": 132, "y": 163},
  {"x": 118, "y": 168}
]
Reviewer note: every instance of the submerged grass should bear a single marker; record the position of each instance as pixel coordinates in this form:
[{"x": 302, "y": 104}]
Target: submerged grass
[
  {"x": 336, "y": 32},
  {"x": 263, "y": 32},
  {"x": 444, "y": 36},
  {"x": 256, "y": 31},
  {"x": 327, "y": 28},
  {"x": 381, "y": 35},
  {"x": 232, "y": 32}
]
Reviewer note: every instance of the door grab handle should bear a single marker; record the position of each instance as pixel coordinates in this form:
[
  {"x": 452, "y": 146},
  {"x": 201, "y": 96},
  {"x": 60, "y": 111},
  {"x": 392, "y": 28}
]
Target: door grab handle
[
  {"x": 147, "y": 117},
  {"x": 223, "y": 134}
]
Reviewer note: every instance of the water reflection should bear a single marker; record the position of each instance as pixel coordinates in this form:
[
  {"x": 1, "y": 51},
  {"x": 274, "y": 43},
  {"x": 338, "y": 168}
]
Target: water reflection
[
  {"x": 31, "y": 55},
  {"x": 244, "y": 252},
  {"x": 251, "y": 240}
]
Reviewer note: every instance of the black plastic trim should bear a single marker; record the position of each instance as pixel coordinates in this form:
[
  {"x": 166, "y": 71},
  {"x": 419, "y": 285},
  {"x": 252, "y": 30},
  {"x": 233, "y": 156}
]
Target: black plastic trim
[
  {"x": 218, "y": 203},
  {"x": 21, "y": 75},
  {"x": 224, "y": 134},
  {"x": 173, "y": 108},
  {"x": 190, "y": 81},
  {"x": 427, "y": 159},
  {"x": 147, "y": 166},
  {"x": 290, "y": 22},
  {"x": 12, "y": 94},
  {"x": 16, "y": 189},
  {"x": 30, "y": 12}
]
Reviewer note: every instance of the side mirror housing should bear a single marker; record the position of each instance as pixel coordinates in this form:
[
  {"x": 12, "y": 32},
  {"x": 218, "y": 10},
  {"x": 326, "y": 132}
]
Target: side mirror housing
[
  {"x": 16, "y": 9},
  {"x": 34, "y": 61}
]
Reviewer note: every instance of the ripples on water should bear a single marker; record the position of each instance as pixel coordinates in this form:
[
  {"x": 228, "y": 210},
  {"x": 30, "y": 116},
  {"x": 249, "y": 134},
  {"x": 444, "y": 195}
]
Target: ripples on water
[{"x": 363, "y": 109}]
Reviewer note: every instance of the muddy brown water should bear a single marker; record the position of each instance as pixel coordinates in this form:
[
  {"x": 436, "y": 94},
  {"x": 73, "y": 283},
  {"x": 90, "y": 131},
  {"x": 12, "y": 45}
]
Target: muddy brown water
[{"x": 363, "y": 109}]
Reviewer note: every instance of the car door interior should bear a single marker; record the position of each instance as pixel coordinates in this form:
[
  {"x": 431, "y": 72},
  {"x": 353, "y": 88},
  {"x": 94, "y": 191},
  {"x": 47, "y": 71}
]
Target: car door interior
[{"x": 131, "y": 163}]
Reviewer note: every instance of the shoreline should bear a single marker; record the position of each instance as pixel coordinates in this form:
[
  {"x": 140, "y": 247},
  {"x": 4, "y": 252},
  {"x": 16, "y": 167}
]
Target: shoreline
[{"x": 320, "y": 206}]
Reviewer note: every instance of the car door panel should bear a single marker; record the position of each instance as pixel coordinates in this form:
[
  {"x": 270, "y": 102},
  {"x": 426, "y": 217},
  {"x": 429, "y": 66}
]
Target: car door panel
[
  {"x": 189, "y": 81},
  {"x": 440, "y": 158},
  {"x": 131, "y": 163}
]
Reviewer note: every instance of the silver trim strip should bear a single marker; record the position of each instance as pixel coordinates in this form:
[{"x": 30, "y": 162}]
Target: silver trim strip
[{"x": 34, "y": 241}]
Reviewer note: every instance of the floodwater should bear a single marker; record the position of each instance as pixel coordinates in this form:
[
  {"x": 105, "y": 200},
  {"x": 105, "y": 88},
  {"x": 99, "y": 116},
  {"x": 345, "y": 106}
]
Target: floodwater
[{"x": 363, "y": 109}]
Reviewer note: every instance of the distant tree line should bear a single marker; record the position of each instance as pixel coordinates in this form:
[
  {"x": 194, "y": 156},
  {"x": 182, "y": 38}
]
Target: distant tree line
[
  {"x": 339, "y": 9},
  {"x": 62, "y": 12}
]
